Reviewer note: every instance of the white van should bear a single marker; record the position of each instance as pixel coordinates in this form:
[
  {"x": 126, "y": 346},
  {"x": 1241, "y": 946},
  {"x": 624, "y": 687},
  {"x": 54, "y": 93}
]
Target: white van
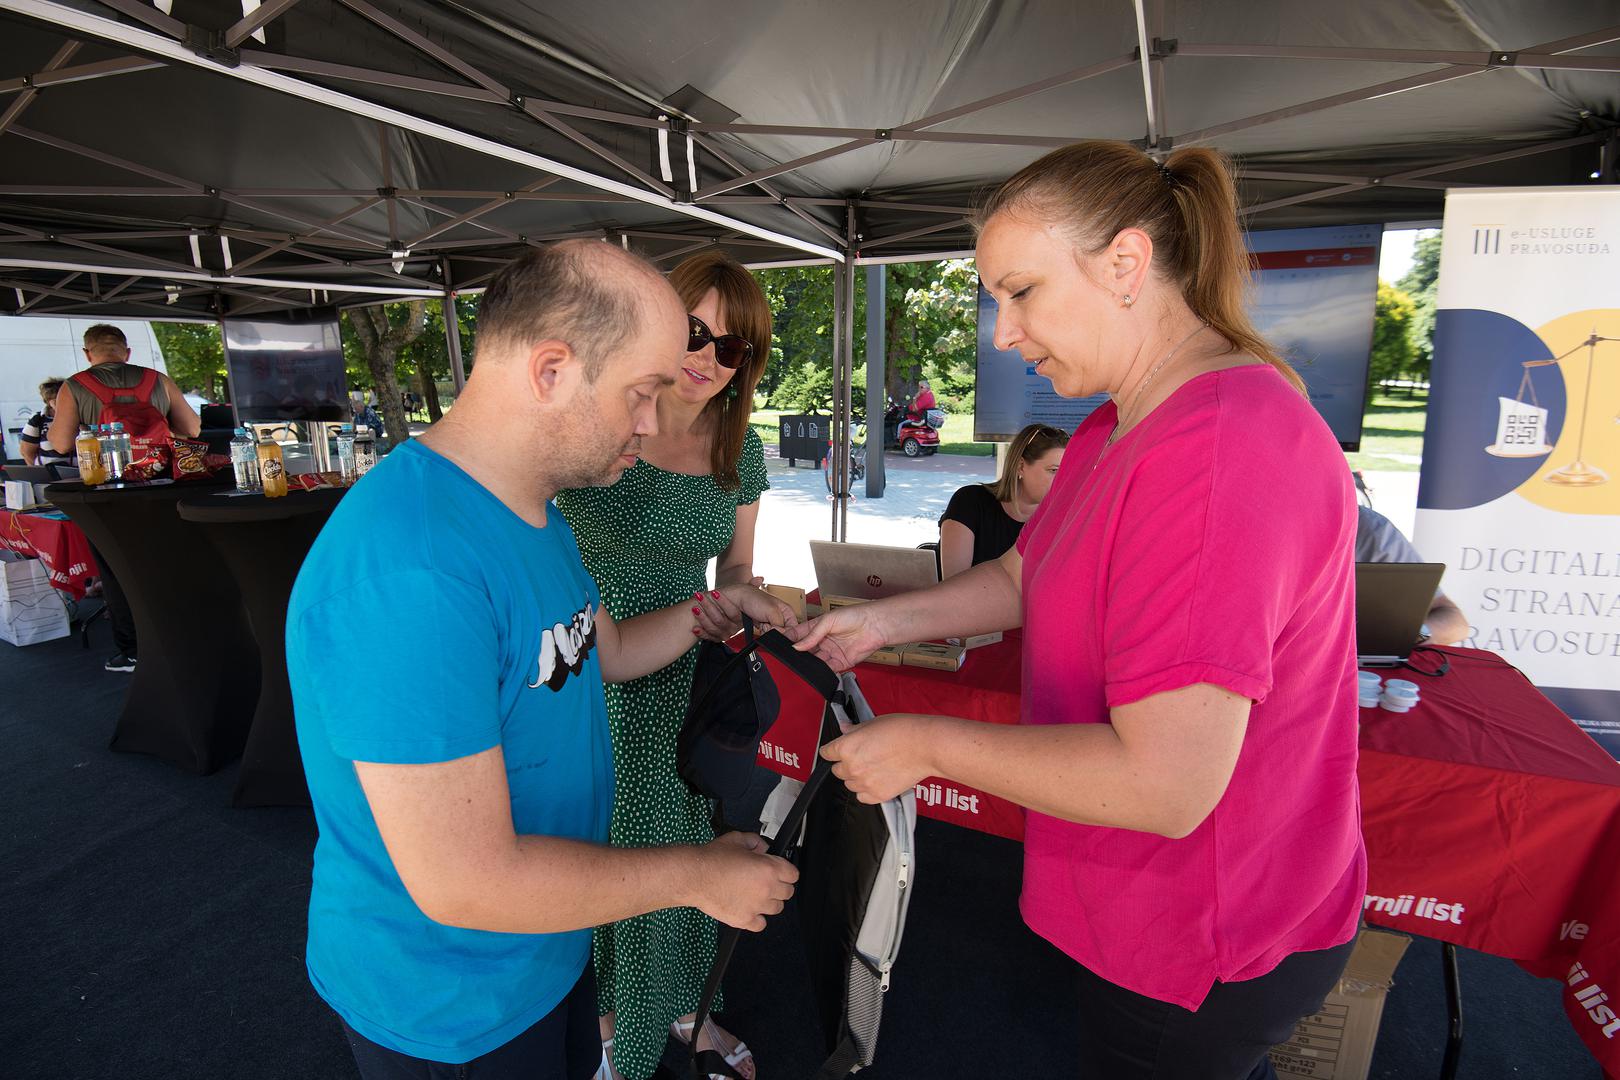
[{"x": 34, "y": 348}]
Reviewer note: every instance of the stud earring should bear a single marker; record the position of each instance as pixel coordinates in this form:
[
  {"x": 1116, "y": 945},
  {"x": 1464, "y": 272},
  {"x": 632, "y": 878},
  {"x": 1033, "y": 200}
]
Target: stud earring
[
  {"x": 731, "y": 392},
  {"x": 1128, "y": 301}
]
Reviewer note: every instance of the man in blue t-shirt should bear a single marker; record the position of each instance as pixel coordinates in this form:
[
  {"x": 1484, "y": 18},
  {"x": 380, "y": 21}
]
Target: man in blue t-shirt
[{"x": 463, "y": 813}]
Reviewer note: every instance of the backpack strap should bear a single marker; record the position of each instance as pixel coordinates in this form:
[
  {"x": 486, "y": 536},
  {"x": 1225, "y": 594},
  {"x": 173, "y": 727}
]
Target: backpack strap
[
  {"x": 141, "y": 392},
  {"x": 820, "y": 677},
  {"x": 147, "y": 386},
  {"x": 704, "y": 1063},
  {"x": 100, "y": 390}
]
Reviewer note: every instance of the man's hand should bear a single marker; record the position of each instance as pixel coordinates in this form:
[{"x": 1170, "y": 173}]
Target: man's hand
[
  {"x": 741, "y": 884},
  {"x": 721, "y": 614},
  {"x": 842, "y": 637},
  {"x": 879, "y": 759}
]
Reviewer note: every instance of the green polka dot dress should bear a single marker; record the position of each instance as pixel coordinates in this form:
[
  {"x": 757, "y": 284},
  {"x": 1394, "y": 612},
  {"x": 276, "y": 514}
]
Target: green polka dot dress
[{"x": 647, "y": 541}]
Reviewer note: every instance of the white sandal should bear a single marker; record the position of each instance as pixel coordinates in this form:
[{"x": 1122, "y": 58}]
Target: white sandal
[{"x": 682, "y": 1030}]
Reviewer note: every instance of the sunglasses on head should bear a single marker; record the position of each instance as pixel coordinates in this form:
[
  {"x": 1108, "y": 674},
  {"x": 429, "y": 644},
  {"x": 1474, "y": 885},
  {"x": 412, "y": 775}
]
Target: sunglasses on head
[{"x": 730, "y": 350}]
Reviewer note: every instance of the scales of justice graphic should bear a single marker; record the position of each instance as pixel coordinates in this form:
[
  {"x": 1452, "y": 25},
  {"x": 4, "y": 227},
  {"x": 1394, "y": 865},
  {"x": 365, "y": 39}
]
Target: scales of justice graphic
[{"x": 1521, "y": 429}]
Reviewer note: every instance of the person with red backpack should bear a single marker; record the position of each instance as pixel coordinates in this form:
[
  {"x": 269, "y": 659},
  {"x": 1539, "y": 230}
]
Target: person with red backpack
[{"x": 152, "y": 409}]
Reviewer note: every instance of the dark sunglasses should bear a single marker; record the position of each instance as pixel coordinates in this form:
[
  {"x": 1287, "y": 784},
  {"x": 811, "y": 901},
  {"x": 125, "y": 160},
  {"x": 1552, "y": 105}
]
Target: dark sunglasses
[{"x": 730, "y": 350}]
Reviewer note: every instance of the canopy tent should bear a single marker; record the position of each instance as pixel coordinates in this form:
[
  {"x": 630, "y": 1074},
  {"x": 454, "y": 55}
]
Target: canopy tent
[
  {"x": 193, "y": 158},
  {"x": 186, "y": 159}
]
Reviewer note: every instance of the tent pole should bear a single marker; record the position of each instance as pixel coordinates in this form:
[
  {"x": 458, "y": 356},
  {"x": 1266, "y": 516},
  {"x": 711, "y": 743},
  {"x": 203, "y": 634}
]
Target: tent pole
[
  {"x": 452, "y": 329},
  {"x": 876, "y": 378}
]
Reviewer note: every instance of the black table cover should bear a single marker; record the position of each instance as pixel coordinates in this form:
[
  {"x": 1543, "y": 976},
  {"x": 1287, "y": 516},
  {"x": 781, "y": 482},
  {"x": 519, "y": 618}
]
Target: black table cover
[
  {"x": 191, "y": 697},
  {"x": 263, "y": 542}
]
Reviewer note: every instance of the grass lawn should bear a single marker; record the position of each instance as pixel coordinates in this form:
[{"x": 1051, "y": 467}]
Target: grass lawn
[
  {"x": 1392, "y": 433},
  {"x": 955, "y": 438}
]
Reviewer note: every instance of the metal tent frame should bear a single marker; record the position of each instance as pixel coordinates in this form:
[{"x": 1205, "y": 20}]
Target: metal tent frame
[{"x": 303, "y": 150}]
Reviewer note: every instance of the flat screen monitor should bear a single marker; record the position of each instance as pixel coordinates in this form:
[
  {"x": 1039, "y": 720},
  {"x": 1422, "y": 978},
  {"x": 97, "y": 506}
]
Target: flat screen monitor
[
  {"x": 287, "y": 366},
  {"x": 1314, "y": 296}
]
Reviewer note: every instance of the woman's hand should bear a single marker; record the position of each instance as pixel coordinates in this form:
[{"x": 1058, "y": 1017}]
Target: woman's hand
[
  {"x": 842, "y": 637},
  {"x": 880, "y": 759},
  {"x": 721, "y": 613}
]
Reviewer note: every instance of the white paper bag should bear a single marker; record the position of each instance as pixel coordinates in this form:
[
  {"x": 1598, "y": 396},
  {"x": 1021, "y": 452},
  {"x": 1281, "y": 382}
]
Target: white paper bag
[{"x": 30, "y": 610}]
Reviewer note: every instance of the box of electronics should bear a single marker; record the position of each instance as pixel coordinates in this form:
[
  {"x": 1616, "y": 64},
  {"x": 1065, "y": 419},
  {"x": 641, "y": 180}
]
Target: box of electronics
[
  {"x": 889, "y": 655},
  {"x": 976, "y": 640},
  {"x": 933, "y": 654},
  {"x": 793, "y": 598},
  {"x": 1336, "y": 1042}
]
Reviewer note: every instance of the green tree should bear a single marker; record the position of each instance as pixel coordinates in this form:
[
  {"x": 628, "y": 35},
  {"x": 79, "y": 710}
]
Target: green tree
[
  {"x": 380, "y": 335},
  {"x": 929, "y": 330},
  {"x": 195, "y": 357},
  {"x": 1421, "y": 283},
  {"x": 1392, "y": 351}
]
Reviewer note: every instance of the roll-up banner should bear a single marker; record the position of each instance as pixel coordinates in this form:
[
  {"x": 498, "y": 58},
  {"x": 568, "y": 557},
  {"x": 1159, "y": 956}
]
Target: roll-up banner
[{"x": 1520, "y": 489}]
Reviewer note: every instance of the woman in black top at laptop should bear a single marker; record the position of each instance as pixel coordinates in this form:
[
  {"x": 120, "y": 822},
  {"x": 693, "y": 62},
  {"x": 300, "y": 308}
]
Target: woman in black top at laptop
[{"x": 983, "y": 520}]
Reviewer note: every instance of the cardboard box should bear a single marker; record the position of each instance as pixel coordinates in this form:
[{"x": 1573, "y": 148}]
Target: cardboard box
[
  {"x": 932, "y": 654},
  {"x": 793, "y": 598},
  {"x": 1337, "y": 1042},
  {"x": 889, "y": 655},
  {"x": 833, "y": 603},
  {"x": 30, "y": 610},
  {"x": 976, "y": 640}
]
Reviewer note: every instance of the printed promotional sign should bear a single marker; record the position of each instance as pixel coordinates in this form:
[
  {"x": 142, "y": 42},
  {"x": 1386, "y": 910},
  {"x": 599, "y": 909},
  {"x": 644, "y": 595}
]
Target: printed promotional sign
[{"x": 1520, "y": 490}]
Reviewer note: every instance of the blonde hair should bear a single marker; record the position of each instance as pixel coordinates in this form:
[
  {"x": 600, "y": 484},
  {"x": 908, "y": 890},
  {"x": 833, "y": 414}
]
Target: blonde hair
[
  {"x": 1187, "y": 206},
  {"x": 747, "y": 314},
  {"x": 1029, "y": 445}
]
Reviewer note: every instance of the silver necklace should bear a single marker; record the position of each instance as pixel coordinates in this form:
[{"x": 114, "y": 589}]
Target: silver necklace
[{"x": 1119, "y": 421}]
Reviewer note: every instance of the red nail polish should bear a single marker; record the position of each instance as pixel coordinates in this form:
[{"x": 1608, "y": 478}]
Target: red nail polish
[
  {"x": 697, "y": 611},
  {"x": 716, "y": 595}
]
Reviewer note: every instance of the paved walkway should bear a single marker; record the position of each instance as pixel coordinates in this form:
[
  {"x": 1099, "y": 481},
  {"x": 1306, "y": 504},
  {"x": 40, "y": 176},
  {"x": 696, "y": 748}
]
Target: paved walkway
[{"x": 798, "y": 508}]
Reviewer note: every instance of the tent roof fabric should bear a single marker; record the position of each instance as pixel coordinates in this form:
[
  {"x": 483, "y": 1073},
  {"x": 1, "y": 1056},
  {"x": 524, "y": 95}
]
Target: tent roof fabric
[{"x": 161, "y": 162}]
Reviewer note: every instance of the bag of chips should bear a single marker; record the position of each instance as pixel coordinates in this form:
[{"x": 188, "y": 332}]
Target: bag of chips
[{"x": 191, "y": 459}]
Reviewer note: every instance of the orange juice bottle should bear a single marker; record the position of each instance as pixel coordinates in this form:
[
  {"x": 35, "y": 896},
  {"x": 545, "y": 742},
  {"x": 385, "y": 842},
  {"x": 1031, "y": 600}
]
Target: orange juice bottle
[
  {"x": 272, "y": 470},
  {"x": 88, "y": 449}
]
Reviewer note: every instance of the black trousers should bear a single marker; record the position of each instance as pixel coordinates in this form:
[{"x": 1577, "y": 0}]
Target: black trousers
[
  {"x": 565, "y": 1044},
  {"x": 118, "y": 613},
  {"x": 1126, "y": 1036}
]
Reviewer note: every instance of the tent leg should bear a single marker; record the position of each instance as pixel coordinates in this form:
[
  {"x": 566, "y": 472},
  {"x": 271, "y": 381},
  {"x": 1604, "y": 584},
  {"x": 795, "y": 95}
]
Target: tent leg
[
  {"x": 876, "y": 378},
  {"x": 1454, "y": 1036},
  {"x": 452, "y": 329}
]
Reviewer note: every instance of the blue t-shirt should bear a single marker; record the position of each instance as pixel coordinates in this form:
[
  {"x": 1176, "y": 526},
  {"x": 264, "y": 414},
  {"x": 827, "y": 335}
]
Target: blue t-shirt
[{"x": 429, "y": 623}]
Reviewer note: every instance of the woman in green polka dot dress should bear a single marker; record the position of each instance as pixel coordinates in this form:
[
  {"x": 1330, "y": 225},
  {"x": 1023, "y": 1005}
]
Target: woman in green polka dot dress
[{"x": 647, "y": 540}]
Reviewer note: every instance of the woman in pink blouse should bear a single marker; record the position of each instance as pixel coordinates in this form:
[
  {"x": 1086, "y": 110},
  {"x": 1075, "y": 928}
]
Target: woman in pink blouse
[{"x": 1187, "y": 751}]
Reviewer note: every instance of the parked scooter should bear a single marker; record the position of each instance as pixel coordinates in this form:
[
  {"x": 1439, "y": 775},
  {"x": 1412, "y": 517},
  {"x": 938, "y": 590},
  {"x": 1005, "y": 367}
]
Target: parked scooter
[{"x": 912, "y": 437}]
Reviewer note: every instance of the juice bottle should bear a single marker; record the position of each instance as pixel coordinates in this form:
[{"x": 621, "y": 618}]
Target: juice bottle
[
  {"x": 272, "y": 470},
  {"x": 88, "y": 449}
]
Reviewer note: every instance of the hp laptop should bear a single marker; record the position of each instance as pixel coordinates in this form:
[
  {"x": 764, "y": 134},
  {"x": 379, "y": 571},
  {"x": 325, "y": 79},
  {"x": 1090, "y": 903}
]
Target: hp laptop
[
  {"x": 1392, "y": 600},
  {"x": 872, "y": 571}
]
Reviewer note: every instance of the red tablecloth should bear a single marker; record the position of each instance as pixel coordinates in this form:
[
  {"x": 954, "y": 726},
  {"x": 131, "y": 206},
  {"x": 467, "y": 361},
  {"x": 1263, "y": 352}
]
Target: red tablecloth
[
  {"x": 57, "y": 543},
  {"x": 1491, "y": 820}
]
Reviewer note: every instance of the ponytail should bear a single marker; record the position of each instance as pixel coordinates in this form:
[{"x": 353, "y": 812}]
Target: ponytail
[{"x": 1214, "y": 274}]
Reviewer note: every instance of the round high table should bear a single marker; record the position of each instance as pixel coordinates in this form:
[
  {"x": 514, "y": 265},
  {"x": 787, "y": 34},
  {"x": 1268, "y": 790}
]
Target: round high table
[
  {"x": 192, "y": 693},
  {"x": 263, "y": 543}
]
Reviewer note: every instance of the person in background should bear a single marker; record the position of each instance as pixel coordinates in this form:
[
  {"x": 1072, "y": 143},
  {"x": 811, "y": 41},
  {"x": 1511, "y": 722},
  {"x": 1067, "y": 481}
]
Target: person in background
[
  {"x": 107, "y": 351},
  {"x": 922, "y": 402},
  {"x": 1378, "y": 540},
  {"x": 1187, "y": 751},
  {"x": 463, "y": 813},
  {"x": 36, "y": 448},
  {"x": 78, "y": 402},
  {"x": 648, "y": 541},
  {"x": 983, "y": 520},
  {"x": 365, "y": 414}
]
